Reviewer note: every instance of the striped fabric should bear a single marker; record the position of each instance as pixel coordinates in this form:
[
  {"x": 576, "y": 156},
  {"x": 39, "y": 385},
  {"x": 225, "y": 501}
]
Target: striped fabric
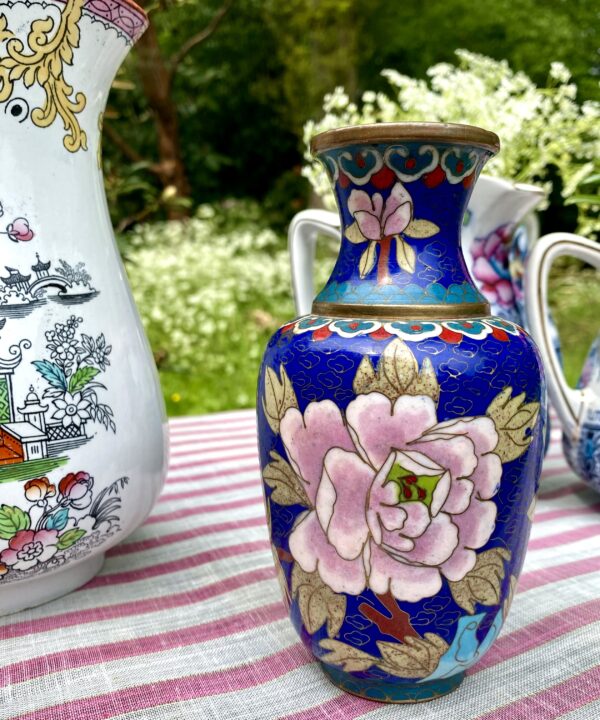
[{"x": 185, "y": 620}]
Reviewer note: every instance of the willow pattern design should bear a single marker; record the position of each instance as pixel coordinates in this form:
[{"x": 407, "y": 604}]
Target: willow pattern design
[{"x": 50, "y": 46}]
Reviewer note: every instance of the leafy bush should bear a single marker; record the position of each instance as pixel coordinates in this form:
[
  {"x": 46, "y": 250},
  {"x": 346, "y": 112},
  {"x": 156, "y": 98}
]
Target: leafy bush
[
  {"x": 543, "y": 131},
  {"x": 211, "y": 290}
]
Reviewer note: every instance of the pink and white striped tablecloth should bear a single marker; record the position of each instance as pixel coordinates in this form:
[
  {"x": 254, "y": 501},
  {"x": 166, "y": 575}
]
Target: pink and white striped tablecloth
[{"x": 185, "y": 620}]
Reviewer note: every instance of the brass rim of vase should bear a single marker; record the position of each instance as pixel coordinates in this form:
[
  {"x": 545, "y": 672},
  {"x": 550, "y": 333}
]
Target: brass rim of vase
[
  {"x": 405, "y": 131},
  {"x": 448, "y": 311}
]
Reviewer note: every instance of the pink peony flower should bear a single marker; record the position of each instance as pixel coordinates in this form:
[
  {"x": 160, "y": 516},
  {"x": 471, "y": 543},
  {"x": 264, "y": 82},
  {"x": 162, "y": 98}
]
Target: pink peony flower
[
  {"x": 28, "y": 548},
  {"x": 491, "y": 266},
  {"x": 399, "y": 499},
  {"x": 19, "y": 230},
  {"x": 376, "y": 219}
]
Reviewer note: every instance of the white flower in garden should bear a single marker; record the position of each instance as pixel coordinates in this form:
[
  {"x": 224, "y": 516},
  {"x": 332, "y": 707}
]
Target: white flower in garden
[
  {"x": 72, "y": 409},
  {"x": 538, "y": 127}
]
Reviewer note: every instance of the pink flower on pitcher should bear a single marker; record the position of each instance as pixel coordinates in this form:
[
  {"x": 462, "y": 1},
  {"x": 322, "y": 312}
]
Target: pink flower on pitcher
[
  {"x": 77, "y": 489},
  {"x": 491, "y": 268},
  {"x": 377, "y": 219},
  {"x": 19, "y": 230},
  {"x": 399, "y": 500},
  {"x": 28, "y": 548}
]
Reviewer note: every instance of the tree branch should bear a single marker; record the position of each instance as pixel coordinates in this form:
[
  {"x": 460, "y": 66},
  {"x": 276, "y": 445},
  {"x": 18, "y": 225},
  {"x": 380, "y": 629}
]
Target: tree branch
[
  {"x": 122, "y": 144},
  {"x": 199, "y": 38},
  {"x": 397, "y": 624}
]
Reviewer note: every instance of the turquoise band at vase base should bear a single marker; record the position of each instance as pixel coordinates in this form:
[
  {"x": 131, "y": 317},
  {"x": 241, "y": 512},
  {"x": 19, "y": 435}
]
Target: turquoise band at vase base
[{"x": 385, "y": 691}]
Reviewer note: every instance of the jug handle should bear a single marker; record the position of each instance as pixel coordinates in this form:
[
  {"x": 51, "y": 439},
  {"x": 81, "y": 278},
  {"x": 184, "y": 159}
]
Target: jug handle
[
  {"x": 569, "y": 402},
  {"x": 302, "y": 238}
]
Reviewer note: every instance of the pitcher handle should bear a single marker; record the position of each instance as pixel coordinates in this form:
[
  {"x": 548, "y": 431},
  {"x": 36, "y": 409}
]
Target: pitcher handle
[
  {"x": 302, "y": 239},
  {"x": 569, "y": 402}
]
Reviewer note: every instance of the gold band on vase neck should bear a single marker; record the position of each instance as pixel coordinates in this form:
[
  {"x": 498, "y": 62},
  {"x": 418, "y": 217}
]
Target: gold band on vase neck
[{"x": 445, "y": 311}]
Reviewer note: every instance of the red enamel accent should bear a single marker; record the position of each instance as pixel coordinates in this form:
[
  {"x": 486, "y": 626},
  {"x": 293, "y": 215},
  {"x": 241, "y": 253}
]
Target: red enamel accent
[
  {"x": 353, "y": 326},
  {"x": 287, "y": 327},
  {"x": 450, "y": 336},
  {"x": 380, "y": 334},
  {"x": 468, "y": 181},
  {"x": 383, "y": 179},
  {"x": 322, "y": 333},
  {"x": 421, "y": 493},
  {"x": 468, "y": 325},
  {"x": 499, "y": 334},
  {"x": 415, "y": 327},
  {"x": 344, "y": 180},
  {"x": 359, "y": 159},
  {"x": 460, "y": 166},
  {"x": 435, "y": 177},
  {"x": 410, "y": 163},
  {"x": 407, "y": 492}
]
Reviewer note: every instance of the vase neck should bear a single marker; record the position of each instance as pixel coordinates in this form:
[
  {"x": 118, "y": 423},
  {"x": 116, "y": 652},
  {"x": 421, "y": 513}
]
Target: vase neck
[{"x": 401, "y": 208}]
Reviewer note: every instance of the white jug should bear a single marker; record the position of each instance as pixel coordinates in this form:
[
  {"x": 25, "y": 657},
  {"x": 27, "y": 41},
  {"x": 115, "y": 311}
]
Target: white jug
[
  {"x": 82, "y": 423},
  {"x": 578, "y": 408}
]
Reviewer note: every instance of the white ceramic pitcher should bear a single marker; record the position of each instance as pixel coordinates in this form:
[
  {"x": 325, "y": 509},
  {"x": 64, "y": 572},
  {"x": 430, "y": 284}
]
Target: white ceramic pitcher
[
  {"x": 494, "y": 253},
  {"x": 82, "y": 424},
  {"x": 578, "y": 408}
]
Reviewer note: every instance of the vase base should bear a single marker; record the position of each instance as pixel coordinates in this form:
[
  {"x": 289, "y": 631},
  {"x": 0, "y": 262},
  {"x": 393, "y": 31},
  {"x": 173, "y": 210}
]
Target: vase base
[
  {"x": 384, "y": 691},
  {"x": 25, "y": 594}
]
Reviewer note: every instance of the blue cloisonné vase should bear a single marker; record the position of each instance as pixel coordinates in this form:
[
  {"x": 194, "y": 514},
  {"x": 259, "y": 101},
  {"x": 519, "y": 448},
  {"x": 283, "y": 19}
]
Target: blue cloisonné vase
[{"x": 401, "y": 427}]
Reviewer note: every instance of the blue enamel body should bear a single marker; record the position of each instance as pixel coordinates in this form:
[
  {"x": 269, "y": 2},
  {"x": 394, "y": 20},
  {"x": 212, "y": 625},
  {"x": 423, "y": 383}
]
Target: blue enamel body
[{"x": 474, "y": 360}]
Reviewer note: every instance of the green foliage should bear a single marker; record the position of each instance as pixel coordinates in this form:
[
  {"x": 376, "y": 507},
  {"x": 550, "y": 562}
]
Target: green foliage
[
  {"x": 544, "y": 131},
  {"x": 211, "y": 291},
  {"x": 81, "y": 378},
  {"x": 70, "y": 538},
  {"x": 12, "y": 519},
  {"x": 574, "y": 293},
  {"x": 230, "y": 102},
  {"x": 413, "y": 35},
  {"x": 243, "y": 95}
]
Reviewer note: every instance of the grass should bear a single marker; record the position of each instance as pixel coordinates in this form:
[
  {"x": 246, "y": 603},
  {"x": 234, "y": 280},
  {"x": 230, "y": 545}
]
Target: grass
[
  {"x": 30, "y": 469},
  {"x": 212, "y": 390}
]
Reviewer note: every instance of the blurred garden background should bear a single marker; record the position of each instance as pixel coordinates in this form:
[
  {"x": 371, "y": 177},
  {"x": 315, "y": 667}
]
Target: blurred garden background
[{"x": 205, "y": 160}]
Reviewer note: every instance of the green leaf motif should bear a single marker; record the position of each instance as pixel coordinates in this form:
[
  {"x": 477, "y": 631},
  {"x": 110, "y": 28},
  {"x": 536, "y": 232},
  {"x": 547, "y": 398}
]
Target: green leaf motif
[
  {"x": 279, "y": 396},
  {"x": 405, "y": 255},
  {"x": 416, "y": 658},
  {"x": 350, "y": 658},
  {"x": 483, "y": 583},
  {"x": 367, "y": 260},
  {"x": 421, "y": 229},
  {"x": 318, "y": 603},
  {"x": 287, "y": 487},
  {"x": 354, "y": 235},
  {"x": 81, "y": 378},
  {"x": 397, "y": 374},
  {"x": 52, "y": 374},
  {"x": 514, "y": 420},
  {"x": 70, "y": 538},
  {"x": 12, "y": 519}
]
